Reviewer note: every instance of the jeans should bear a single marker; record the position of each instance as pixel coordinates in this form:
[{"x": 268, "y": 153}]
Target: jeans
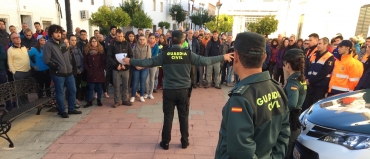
[
  {"x": 120, "y": 82},
  {"x": 200, "y": 74},
  {"x": 215, "y": 68},
  {"x": 225, "y": 67},
  {"x": 230, "y": 72},
  {"x": 156, "y": 79},
  {"x": 99, "y": 90},
  {"x": 150, "y": 80},
  {"x": 59, "y": 83},
  {"x": 139, "y": 76}
]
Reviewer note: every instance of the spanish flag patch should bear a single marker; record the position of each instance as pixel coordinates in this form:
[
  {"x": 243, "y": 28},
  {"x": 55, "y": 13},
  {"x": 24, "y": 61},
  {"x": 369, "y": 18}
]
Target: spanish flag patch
[
  {"x": 236, "y": 109},
  {"x": 294, "y": 88}
]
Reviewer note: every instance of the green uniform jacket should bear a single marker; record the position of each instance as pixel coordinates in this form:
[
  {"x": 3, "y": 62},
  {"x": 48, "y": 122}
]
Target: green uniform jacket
[
  {"x": 296, "y": 91},
  {"x": 255, "y": 121},
  {"x": 177, "y": 74}
]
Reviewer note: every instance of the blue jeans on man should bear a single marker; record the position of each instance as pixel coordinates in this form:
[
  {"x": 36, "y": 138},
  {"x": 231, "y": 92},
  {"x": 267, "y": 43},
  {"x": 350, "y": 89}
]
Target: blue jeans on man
[{"x": 59, "y": 83}]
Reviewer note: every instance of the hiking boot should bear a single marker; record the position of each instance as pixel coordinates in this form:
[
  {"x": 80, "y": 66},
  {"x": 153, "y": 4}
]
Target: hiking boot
[
  {"x": 164, "y": 145},
  {"x": 116, "y": 105},
  {"x": 99, "y": 102},
  {"x": 127, "y": 103},
  {"x": 88, "y": 104},
  {"x": 64, "y": 115}
]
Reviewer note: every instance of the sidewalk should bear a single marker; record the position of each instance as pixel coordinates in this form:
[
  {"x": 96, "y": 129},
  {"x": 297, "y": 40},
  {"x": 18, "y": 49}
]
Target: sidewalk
[{"x": 124, "y": 132}]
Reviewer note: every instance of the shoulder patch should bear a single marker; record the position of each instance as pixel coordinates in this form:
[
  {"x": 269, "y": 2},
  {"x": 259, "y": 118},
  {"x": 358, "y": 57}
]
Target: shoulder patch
[
  {"x": 236, "y": 109},
  {"x": 293, "y": 88},
  {"x": 240, "y": 90}
]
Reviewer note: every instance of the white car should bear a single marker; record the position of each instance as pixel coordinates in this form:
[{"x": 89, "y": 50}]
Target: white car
[{"x": 337, "y": 127}]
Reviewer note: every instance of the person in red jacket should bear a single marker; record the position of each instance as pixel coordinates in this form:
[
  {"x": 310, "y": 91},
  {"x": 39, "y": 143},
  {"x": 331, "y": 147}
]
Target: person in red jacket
[
  {"x": 39, "y": 30},
  {"x": 274, "y": 50}
]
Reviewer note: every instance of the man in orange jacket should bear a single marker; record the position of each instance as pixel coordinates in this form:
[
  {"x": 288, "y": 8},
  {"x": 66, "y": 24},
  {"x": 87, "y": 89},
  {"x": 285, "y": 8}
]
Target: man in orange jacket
[{"x": 347, "y": 70}]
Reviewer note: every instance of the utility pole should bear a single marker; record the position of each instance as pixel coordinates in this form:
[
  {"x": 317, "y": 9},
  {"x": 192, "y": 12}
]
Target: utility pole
[{"x": 68, "y": 17}]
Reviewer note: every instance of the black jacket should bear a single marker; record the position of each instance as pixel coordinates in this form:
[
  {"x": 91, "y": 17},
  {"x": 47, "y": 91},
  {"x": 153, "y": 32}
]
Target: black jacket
[
  {"x": 81, "y": 45},
  {"x": 195, "y": 45},
  {"x": 4, "y": 38},
  {"x": 28, "y": 43},
  {"x": 364, "y": 82},
  {"x": 118, "y": 47}
]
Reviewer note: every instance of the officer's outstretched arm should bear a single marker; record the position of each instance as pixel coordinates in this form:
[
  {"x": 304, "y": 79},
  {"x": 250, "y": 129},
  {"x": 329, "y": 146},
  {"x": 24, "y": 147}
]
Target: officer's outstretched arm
[
  {"x": 239, "y": 128},
  {"x": 205, "y": 61},
  {"x": 150, "y": 62}
]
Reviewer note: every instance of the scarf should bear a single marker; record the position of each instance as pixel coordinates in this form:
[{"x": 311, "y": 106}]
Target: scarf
[
  {"x": 93, "y": 50},
  {"x": 151, "y": 44}
]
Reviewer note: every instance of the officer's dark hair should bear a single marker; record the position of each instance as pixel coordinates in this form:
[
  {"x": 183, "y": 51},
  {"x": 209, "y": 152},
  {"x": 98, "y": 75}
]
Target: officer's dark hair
[
  {"x": 297, "y": 64},
  {"x": 177, "y": 41},
  {"x": 339, "y": 37},
  {"x": 54, "y": 29},
  {"x": 251, "y": 60},
  {"x": 314, "y": 35}
]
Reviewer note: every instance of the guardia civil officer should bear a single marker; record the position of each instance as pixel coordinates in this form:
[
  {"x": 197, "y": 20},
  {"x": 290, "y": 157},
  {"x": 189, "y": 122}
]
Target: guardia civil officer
[
  {"x": 255, "y": 119},
  {"x": 295, "y": 89},
  {"x": 176, "y": 64}
]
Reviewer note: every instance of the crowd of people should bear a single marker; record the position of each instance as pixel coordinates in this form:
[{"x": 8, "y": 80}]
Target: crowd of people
[
  {"x": 92, "y": 66},
  {"x": 332, "y": 66}
]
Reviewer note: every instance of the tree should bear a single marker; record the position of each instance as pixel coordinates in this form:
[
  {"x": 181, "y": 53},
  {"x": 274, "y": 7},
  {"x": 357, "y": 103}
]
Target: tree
[
  {"x": 106, "y": 17},
  {"x": 165, "y": 25},
  {"x": 180, "y": 15},
  {"x": 141, "y": 20},
  {"x": 131, "y": 7},
  {"x": 225, "y": 23},
  {"x": 265, "y": 25},
  {"x": 201, "y": 17}
]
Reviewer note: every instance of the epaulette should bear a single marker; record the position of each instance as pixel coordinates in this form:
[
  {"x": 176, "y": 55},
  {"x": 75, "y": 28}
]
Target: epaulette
[{"x": 238, "y": 91}]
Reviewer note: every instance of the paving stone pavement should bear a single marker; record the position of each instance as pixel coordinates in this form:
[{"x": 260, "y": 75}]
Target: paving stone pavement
[{"x": 114, "y": 133}]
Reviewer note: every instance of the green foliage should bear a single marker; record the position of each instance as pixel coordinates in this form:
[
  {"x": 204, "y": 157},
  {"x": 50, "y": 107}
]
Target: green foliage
[
  {"x": 180, "y": 15},
  {"x": 201, "y": 17},
  {"x": 225, "y": 23},
  {"x": 141, "y": 20},
  {"x": 109, "y": 16},
  {"x": 165, "y": 25},
  {"x": 265, "y": 25},
  {"x": 206, "y": 17},
  {"x": 131, "y": 7}
]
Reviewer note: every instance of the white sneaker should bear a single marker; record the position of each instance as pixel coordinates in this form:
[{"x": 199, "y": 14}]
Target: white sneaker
[
  {"x": 142, "y": 99},
  {"x": 132, "y": 99},
  {"x": 146, "y": 96},
  {"x": 151, "y": 96}
]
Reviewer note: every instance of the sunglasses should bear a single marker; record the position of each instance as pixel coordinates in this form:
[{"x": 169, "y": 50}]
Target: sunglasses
[{"x": 290, "y": 40}]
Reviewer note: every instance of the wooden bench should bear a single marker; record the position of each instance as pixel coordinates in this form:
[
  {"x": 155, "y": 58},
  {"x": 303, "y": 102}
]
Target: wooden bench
[{"x": 25, "y": 93}]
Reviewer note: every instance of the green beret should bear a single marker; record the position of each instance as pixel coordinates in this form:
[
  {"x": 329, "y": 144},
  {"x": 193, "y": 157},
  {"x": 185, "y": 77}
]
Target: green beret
[
  {"x": 293, "y": 53},
  {"x": 250, "y": 43}
]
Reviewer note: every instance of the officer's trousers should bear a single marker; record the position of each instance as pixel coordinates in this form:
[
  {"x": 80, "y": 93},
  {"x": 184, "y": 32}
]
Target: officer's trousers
[
  {"x": 293, "y": 136},
  {"x": 180, "y": 99},
  {"x": 313, "y": 95}
]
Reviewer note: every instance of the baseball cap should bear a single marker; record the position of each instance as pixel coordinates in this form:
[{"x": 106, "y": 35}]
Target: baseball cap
[
  {"x": 40, "y": 36},
  {"x": 293, "y": 53},
  {"x": 156, "y": 35},
  {"x": 346, "y": 43},
  {"x": 177, "y": 34},
  {"x": 250, "y": 43}
]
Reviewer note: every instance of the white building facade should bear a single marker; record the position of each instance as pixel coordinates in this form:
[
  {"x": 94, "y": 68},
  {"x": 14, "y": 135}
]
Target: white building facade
[
  {"x": 325, "y": 17},
  {"x": 16, "y": 12},
  {"x": 248, "y": 11}
]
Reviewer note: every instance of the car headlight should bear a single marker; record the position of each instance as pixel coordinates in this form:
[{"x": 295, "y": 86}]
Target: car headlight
[
  {"x": 352, "y": 141},
  {"x": 303, "y": 119}
]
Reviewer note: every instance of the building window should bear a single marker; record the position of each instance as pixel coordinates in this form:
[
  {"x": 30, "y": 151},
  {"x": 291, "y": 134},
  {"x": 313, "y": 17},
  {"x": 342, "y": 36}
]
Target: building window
[
  {"x": 161, "y": 6},
  {"x": 154, "y": 6},
  {"x": 92, "y": 2}
]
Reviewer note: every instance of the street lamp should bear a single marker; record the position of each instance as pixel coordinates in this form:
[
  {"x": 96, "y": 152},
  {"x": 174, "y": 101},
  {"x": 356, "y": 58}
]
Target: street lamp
[
  {"x": 175, "y": 20},
  {"x": 218, "y": 5}
]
